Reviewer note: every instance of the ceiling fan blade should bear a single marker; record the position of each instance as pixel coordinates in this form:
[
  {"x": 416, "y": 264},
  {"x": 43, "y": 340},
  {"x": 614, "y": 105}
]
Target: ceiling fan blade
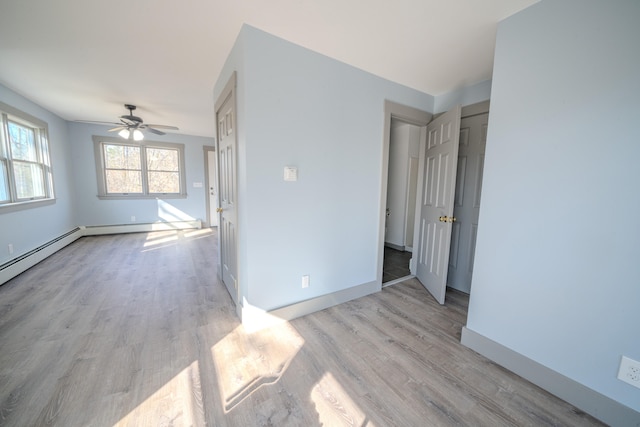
[
  {"x": 163, "y": 127},
  {"x": 117, "y": 129},
  {"x": 129, "y": 123},
  {"x": 93, "y": 122},
  {"x": 156, "y": 131}
]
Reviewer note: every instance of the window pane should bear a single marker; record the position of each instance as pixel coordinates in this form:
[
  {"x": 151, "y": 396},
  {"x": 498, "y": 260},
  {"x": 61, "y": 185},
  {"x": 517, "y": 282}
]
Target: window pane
[
  {"x": 44, "y": 149},
  {"x": 121, "y": 157},
  {"x": 29, "y": 180},
  {"x": 161, "y": 159},
  {"x": 122, "y": 181},
  {"x": 23, "y": 145},
  {"x": 4, "y": 182},
  {"x": 164, "y": 182}
]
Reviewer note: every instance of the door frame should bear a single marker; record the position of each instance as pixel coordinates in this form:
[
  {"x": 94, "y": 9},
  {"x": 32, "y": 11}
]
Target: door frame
[
  {"x": 208, "y": 180},
  {"x": 420, "y": 118},
  {"x": 411, "y": 116}
]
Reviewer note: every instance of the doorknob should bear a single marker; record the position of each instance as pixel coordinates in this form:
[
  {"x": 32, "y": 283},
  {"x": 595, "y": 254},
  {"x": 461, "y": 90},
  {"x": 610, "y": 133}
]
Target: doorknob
[
  {"x": 451, "y": 219},
  {"x": 218, "y": 210}
]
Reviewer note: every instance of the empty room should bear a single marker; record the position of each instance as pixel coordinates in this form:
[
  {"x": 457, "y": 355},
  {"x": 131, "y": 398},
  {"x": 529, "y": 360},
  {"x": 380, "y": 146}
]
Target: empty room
[{"x": 319, "y": 213}]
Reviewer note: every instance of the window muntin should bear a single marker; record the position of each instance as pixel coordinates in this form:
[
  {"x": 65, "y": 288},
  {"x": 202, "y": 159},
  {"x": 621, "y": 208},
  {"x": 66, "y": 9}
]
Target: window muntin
[
  {"x": 139, "y": 169},
  {"x": 25, "y": 166}
]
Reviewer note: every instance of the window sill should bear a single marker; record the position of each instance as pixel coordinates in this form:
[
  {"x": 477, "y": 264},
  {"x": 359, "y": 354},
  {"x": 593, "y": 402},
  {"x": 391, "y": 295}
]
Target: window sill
[{"x": 19, "y": 206}]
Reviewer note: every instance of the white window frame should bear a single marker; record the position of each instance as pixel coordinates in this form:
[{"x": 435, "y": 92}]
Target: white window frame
[
  {"x": 40, "y": 129},
  {"x": 98, "y": 146}
]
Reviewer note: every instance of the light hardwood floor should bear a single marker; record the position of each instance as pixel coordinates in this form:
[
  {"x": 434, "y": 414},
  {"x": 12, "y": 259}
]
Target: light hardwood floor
[{"x": 135, "y": 330}]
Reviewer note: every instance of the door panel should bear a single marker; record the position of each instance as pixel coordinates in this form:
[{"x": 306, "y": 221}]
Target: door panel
[
  {"x": 473, "y": 137},
  {"x": 437, "y": 202},
  {"x": 228, "y": 215},
  {"x": 212, "y": 198}
]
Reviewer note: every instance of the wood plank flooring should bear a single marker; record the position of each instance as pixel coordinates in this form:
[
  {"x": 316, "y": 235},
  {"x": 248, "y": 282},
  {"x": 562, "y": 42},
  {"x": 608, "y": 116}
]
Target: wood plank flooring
[{"x": 135, "y": 330}]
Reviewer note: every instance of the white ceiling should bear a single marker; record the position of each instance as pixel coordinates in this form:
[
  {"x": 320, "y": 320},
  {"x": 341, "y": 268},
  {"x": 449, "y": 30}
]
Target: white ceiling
[{"x": 84, "y": 59}]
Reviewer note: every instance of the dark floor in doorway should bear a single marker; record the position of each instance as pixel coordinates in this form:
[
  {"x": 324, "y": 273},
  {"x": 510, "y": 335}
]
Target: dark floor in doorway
[{"x": 396, "y": 264}]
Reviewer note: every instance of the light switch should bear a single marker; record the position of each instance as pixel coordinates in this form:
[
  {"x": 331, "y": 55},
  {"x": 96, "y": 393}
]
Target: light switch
[
  {"x": 197, "y": 185},
  {"x": 290, "y": 173}
]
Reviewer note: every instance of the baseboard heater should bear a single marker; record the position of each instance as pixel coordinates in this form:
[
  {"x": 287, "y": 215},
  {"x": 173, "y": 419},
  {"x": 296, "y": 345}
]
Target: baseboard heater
[
  {"x": 15, "y": 266},
  {"x": 93, "y": 230}
]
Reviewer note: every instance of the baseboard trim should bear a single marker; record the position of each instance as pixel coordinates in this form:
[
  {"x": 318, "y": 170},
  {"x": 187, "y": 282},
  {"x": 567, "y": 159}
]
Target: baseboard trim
[
  {"x": 590, "y": 401},
  {"x": 396, "y": 281},
  {"x": 15, "y": 266},
  {"x": 254, "y": 318},
  {"x": 394, "y": 246},
  {"x": 93, "y": 230}
]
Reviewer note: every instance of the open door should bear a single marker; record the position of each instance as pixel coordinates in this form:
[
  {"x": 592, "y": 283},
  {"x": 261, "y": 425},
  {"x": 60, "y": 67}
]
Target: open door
[
  {"x": 226, "y": 123},
  {"x": 437, "y": 201}
]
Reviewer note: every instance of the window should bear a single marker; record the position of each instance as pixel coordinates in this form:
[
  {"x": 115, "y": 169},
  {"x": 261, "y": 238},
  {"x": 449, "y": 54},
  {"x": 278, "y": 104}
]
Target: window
[
  {"x": 26, "y": 179},
  {"x": 128, "y": 169}
]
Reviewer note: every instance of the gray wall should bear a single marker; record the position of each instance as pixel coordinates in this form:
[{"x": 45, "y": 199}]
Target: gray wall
[
  {"x": 557, "y": 265},
  {"x": 29, "y": 228},
  {"x": 299, "y": 108}
]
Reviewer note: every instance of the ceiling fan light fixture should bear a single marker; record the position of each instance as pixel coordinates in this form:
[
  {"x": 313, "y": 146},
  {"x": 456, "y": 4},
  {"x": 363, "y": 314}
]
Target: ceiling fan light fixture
[
  {"x": 137, "y": 135},
  {"x": 124, "y": 133}
]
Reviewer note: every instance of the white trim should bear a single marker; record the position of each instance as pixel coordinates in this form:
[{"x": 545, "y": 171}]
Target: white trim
[
  {"x": 255, "y": 318},
  {"x": 590, "y": 401},
  {"x": 95, "y": 230}
]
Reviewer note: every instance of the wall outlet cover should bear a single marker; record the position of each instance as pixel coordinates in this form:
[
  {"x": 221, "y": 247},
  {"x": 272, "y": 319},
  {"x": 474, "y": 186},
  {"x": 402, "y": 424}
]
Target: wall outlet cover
[{"x": 629, "y": 371}]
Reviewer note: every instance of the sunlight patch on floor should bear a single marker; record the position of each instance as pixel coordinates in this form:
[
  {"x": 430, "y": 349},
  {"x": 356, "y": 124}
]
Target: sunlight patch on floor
[
  {"x": 246, "y": 362},
  {"x": 177, "y": 402},
  {"x": 334, "y": 406},
  {"x": 167, "y": 238},
  {"x": 160, "y": 241}
]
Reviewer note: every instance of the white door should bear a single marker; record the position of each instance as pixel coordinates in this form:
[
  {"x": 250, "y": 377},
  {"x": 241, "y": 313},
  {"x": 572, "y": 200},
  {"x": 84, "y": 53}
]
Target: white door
[
  {"x": 212, "y": 188},
  {"x": 228, "y": 195},
  {"x": 473, "y": 140},
  {"x": 436, "y": 202}
]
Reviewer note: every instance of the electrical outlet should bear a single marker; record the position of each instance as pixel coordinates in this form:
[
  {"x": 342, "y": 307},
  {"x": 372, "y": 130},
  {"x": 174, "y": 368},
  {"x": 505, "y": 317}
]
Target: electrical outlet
[
  {"x": 305, "y": 281},
  {"x": 629, "y": 371},
  {"x": 133, "y": 218},
  {"x": 10, "y": 248}
]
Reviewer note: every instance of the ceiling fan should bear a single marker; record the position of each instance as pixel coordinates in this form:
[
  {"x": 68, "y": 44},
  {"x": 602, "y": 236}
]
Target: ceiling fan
[{"x": 130, "y": 126}]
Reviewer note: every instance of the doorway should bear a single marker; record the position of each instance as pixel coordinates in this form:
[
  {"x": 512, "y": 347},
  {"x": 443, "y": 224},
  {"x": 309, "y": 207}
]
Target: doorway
[
  {"x": 402, "y": 181},
  {"x": 468, "y": 186},
  {"x": 405, "y": 120}
]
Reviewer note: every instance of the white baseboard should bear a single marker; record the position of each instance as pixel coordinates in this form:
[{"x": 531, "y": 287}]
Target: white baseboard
[
  {"x": 590, "y": 401},
  {"x": 13, "y": 267},
  {"x": 93, "y": 230},
  {"x": 254, "y": 318},
  {"x": 394, "y": 246}
]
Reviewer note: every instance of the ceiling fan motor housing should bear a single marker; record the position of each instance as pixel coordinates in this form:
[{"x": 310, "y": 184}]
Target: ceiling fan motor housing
[{"x": 130, "y": 116}]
